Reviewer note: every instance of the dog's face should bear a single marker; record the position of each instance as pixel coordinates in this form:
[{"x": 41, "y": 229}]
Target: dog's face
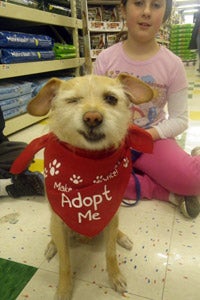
[{"x": 90, "y": 112}]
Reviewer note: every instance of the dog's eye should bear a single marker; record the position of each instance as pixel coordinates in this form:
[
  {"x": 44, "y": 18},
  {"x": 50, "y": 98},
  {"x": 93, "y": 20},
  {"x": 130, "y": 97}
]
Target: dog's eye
[
  {"x": 73, "y": 100},
  {"x": 110, "y": 99}
]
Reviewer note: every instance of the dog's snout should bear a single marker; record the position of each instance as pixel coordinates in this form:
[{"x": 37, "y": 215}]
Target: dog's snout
[{"x": 92, "y": 118}]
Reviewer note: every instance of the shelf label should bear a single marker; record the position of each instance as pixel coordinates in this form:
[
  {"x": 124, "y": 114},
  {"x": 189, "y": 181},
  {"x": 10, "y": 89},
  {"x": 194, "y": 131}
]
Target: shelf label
[{"x": 5, "y": 67}]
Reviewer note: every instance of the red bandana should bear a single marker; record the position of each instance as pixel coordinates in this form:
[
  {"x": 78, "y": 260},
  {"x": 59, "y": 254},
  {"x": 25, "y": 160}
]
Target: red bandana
[{"x": 85, "y": 188}]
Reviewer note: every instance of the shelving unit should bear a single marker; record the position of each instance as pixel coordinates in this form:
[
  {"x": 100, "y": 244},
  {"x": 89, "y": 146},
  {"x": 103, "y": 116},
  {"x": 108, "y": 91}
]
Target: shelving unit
[
  {"x": 104, "y": 2},
  {"x": 13, "y": 11},
  {"x": 9, "y": 11},
  {"x": 163, "y": 36},
  {"x": 101, "y": 28},
  {"x": 107, "y": 29},
  {"x": 29, "y": 68}
]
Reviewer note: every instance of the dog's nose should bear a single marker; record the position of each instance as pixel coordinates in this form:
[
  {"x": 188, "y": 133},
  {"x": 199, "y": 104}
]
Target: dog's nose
[{"x": 92, "y": 118}]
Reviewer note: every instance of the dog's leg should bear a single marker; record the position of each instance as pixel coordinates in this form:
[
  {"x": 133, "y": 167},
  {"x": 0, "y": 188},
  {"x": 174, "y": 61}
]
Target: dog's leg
[
  {"x": 114, "y": 273},
  {"x": 60, "y": 236},
  {"x": 124, "y": 241}
]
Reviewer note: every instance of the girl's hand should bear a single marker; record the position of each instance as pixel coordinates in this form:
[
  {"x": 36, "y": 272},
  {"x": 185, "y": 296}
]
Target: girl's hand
[{"x": 154, "y": 133}]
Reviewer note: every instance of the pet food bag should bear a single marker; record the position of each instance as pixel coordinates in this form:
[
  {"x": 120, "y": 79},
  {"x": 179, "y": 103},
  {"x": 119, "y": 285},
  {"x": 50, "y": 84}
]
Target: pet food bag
[{"x": 9, "y": 39}]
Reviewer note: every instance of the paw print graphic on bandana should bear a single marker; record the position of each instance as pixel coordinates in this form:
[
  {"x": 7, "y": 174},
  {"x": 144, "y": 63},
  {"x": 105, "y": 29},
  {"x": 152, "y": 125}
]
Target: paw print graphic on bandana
[
  {"x": 76, "y": 179},
  {"x": 98, "y": 179},
  {"x": 125, "y": 162},
  {"x": 53, "y": 168}
]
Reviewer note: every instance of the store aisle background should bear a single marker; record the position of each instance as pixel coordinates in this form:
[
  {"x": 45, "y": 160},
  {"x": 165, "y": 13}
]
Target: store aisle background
[{"x": 164, "y": 263}]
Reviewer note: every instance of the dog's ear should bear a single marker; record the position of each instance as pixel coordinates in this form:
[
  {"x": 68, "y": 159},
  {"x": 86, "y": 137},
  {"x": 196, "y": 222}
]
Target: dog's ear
[
  {"x": 41, "y": 103},
  {"x": 137, "y": 90}
]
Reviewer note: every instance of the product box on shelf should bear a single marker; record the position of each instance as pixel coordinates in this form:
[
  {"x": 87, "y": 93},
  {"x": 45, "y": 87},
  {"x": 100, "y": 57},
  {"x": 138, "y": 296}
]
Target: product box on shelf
[
  {"x": 110, "y": 39},
  {"x": 95, "y": 13},
  {"x": 113, "y": 26},
  {"x": 98, "y": 41},
  {"x": 104, "y": 26},
  {"x": 29, "y": 3},
  {"x": 110, "y": 14},
  {"x": 96, "y": 25},
  {"x": 94, "y": 53}
]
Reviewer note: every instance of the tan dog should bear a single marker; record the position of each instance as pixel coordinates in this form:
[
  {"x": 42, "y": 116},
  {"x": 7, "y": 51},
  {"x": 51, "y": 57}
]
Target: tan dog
[{"x": 90, "y": 113}]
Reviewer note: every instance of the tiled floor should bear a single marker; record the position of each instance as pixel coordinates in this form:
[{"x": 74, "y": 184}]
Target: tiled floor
[{"x": 164, "y": 263}]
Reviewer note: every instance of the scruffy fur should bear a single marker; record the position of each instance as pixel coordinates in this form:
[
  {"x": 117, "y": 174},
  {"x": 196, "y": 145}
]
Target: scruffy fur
[{"x": 90, "y": 112}]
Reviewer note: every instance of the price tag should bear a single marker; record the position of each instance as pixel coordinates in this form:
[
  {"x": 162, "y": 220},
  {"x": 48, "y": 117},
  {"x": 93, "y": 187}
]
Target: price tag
[{"x": 5, "y": 67}]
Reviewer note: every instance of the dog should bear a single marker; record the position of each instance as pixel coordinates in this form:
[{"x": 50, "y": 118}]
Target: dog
[{"x": 89, "y": 117}]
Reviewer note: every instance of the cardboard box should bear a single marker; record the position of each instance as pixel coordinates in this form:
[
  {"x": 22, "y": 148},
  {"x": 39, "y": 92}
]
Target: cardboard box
[
  {"x": 94, "y": 13},
  {"x": 96, "y": 25},
  {"x": 113, "y": 26},
  {"x": 110, "y": 39},
  {"x": 95, "y": 52},
  {"x": 98, "y": 41}
]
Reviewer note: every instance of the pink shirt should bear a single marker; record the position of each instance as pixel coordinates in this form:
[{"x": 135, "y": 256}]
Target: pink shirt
[{"x": 164, "y": 72}]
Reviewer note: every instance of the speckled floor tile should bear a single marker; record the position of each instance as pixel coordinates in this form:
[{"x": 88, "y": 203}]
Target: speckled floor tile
[
  {"x": 183, "y": 270},
  {"x": 144, "y": 266},
  {"x": 193, "y": 135},
  {"x": 24, "y": 229},
  {"x": 82, "y": 289}
]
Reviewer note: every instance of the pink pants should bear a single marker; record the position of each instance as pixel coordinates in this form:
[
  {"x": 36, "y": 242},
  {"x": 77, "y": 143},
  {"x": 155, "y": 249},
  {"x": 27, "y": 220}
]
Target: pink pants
[{"x": 168, "y": 169}]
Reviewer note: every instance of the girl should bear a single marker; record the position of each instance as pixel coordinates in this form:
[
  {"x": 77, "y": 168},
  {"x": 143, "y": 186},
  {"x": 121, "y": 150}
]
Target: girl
[{"x": 169, "y": 174}]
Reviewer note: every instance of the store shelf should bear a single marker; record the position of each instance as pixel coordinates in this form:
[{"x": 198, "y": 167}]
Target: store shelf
[
  {"x": 36, "y": 17},
  {"x": 103, "y": 2},
  {"x": 9, "y": 10},
  {"x": 29, "y": 68},
  {"x": 163, "y": 42},
  {"x": 102, "y": 26},
  {"x": 19, "y": 122}
]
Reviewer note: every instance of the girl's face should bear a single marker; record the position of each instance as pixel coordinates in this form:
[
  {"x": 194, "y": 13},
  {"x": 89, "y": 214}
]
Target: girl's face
[{"x": 144, "y": 18}]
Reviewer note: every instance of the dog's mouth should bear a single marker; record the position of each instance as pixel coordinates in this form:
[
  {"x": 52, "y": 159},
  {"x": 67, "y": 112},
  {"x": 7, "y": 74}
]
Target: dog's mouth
[{"x": 92, "y": 136}]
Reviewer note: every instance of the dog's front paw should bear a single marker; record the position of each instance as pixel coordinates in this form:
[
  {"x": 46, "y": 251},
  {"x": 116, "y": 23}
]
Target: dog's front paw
[
  {"x": 63, "y": 295},
  {"x": 50, "y": 251},
  {"x": 119, "y": 283}
]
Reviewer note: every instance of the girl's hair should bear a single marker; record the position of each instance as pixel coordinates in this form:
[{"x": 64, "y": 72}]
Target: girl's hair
[
  {"x": 123, "y": 34},
  {"x": 167, "y": 11}
]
